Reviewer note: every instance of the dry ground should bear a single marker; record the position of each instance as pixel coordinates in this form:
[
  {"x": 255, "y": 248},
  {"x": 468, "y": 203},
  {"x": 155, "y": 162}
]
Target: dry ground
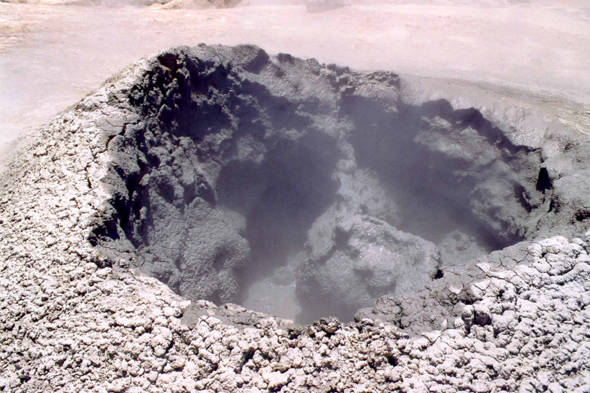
[{"x": 52, "y": 55}]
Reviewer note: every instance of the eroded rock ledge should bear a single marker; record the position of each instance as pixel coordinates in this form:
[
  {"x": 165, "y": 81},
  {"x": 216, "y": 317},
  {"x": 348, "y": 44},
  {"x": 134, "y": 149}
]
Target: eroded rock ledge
[{"x": 77, "y": 316}]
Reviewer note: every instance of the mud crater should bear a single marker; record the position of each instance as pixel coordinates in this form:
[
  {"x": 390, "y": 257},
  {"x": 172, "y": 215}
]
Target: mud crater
[{"x": 304, "y": 190}]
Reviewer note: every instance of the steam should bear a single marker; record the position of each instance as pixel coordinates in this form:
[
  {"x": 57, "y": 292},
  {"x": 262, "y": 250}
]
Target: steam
[{"x": 71, "y": 50}]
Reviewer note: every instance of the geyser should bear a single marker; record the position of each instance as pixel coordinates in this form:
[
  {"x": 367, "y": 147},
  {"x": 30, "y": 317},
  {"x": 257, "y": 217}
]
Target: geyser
[{"x": 304, "y": 190}]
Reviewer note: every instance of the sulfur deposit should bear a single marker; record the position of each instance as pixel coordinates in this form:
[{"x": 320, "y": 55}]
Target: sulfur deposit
[{"x": 456, "y": 246}]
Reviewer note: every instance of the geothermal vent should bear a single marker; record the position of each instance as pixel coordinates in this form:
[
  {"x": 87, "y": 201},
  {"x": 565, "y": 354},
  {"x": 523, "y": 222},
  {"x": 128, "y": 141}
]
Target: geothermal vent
[
  {"x": 150, "y": 233},
  {"x": 307, "y": 191}
]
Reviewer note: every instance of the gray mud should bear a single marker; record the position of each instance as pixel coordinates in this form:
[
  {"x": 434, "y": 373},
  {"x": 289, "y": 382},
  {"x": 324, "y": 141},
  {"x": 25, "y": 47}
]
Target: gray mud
[{"x": 242, "y": 176}]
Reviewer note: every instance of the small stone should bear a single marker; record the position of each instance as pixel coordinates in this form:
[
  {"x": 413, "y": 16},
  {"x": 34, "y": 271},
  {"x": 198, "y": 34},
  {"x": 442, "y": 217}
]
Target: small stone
[
  {"x": 275, "y": 379},
  {"x": 172, "y": 312}
]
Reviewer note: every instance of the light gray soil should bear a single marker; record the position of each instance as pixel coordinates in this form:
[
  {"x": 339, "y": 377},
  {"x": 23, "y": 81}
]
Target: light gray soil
[
  {"x": 208, "y": 167},
  {"x": 533, "y": 54}
]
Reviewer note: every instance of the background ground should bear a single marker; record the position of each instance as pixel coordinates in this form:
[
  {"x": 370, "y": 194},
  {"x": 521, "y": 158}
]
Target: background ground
[{"x": 52, "y": 55}]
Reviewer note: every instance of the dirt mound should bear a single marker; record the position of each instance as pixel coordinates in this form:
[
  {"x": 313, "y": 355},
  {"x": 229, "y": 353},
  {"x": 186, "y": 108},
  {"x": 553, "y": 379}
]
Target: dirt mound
[
  {"x": 216, "y": 169},
  {"x": 178, "y": 4}
]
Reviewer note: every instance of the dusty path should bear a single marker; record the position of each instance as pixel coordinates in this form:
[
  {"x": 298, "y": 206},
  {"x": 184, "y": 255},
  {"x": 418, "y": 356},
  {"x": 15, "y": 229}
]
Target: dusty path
[{"x": 51, "y": 56}]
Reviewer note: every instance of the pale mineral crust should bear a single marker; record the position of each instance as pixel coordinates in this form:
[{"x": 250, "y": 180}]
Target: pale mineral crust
[{"x": 78, "y": 312}]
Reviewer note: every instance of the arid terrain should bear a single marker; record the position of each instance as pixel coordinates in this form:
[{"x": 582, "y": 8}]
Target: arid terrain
[{"x": 52, "y": 55}]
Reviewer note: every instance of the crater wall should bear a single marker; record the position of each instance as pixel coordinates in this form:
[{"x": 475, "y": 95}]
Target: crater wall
[{"x": 301, "y": 189}]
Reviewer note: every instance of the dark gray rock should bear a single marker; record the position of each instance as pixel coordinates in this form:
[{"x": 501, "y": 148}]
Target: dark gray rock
[{"x": 368, "y": 259}]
